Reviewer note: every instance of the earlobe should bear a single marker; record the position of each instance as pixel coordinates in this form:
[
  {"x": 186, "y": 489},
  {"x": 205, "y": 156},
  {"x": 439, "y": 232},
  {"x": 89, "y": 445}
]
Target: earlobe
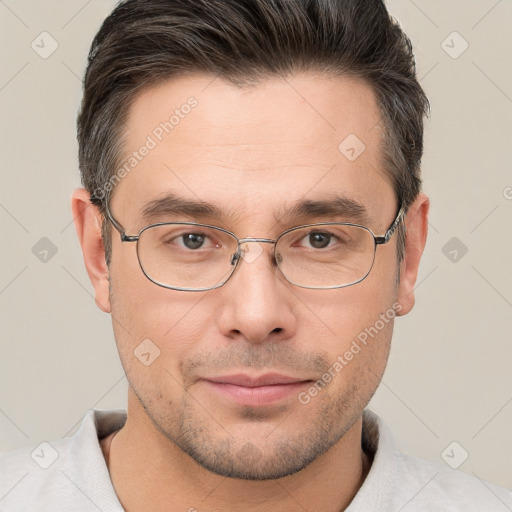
[
  {"x": 87, "y": 219},
  {"x": 416, "y": 222}
]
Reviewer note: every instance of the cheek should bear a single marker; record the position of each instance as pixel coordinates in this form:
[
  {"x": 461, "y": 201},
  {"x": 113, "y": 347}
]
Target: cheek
[
  {"x": 145, "y": 309},
  {"x": 155, "y": 328},
  {"x": 162, "y": 335},
  {"x": 357, "y": 361},
  {"x": 354, "y": 326},
  {"x": 345, "y": 312}
]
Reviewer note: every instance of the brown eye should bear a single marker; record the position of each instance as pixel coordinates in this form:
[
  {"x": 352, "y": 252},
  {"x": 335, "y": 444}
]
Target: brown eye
[
  {"x": 193, "y": 240},
  {"x": 319, "y": 240}
]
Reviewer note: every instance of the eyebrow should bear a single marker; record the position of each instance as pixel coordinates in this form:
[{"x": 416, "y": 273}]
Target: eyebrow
[
  {"x": 336, "y": 206},
  {"x": 172, "y": 204}
]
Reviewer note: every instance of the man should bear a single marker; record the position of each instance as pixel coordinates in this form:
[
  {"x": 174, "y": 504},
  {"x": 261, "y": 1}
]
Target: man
[{"x": 253, "y": 222}]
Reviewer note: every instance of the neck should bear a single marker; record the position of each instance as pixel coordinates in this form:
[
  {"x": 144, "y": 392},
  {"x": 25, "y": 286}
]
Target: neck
[{"x": 157, "y": 475}]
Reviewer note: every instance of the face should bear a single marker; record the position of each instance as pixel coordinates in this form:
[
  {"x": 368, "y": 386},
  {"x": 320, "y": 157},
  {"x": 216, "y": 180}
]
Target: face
[{"x": 259, "y": 377}]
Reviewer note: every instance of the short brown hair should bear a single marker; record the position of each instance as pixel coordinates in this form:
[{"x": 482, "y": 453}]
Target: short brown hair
[{"x": 145, "y": 42}]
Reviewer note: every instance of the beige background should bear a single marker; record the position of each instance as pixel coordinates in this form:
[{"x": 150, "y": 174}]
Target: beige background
[{"x": 449, "y": 376}]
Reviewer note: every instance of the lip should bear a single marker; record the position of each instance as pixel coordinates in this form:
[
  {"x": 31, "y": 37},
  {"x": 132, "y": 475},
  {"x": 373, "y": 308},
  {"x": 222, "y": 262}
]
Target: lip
[
  {"x": 249, "y": 381},
  {"x": 256, "y": 391}
]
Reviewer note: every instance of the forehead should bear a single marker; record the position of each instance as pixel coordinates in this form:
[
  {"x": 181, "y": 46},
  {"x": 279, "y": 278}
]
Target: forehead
[{"x": 253, "y": 148}]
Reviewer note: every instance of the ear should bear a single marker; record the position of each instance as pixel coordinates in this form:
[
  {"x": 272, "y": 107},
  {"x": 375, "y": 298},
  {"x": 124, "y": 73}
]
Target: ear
[
  {"x": 416, "y": 222},
  {"x": 88, "y": 220}
]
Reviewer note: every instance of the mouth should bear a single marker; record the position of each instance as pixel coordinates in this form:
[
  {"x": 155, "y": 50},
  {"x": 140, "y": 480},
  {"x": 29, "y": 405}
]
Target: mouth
[{"x": 256, "y": 391}]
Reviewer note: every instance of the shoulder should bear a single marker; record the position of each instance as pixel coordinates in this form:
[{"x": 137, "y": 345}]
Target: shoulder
[
  {"x": 68, "y": 474},
  {"x": 400, "y": 482},
  {"x": 432, "y": 486}
]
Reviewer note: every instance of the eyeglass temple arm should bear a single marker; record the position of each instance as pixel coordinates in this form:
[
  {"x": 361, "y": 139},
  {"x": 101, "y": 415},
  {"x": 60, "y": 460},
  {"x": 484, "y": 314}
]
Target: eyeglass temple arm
[
  {"x": 119, "y": 228},
  {"x": 389, "y": 233}
]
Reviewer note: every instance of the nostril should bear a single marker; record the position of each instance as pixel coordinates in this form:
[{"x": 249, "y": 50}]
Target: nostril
[{"x": 277, "y": 329}]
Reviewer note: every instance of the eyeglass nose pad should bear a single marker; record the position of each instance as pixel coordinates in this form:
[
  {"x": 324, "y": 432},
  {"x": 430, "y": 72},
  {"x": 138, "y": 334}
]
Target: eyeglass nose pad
[{"x": 234, "y": 258}]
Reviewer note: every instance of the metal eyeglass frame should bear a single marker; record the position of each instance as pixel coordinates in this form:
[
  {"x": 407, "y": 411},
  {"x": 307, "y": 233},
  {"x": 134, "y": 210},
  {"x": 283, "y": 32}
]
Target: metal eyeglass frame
[{"x": 235, "y": 258}]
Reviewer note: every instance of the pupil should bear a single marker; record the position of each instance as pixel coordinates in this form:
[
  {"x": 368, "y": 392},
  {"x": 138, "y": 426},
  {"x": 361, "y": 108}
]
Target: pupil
[
  {"x": 319, "y": 240},
  {"x": 193, "y": 241}
]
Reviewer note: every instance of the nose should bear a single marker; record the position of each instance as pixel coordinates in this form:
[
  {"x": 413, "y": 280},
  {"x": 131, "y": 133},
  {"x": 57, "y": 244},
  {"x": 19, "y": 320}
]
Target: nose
[{"x": 257, "y": 303}]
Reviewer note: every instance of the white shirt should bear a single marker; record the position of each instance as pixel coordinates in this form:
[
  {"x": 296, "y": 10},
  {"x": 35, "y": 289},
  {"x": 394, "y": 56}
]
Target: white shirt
[{"x": 70, "y": 475}]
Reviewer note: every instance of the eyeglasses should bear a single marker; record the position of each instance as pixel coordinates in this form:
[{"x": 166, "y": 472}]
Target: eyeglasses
[{"x": 189, "y": 256}]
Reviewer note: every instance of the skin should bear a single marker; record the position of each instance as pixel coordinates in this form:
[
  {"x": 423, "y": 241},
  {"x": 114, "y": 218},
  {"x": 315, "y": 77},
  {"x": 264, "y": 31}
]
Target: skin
[{"x": 252, "y": 151}]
